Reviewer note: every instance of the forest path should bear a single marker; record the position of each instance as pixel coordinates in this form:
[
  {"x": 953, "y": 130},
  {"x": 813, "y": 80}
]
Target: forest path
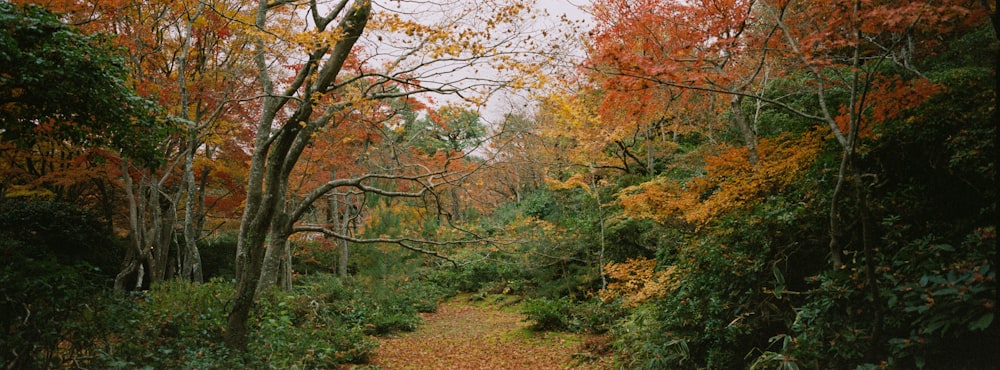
[{"x": 479, "y": 335}]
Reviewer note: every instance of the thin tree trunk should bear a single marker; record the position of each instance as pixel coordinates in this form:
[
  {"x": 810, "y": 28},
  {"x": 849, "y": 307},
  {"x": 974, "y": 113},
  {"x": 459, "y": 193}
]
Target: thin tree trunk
[
  {"x": 191, "y": 261},
  {"x": 338, "y": 220},
  {"x": 344, "y": 258},
  {"x": 749, "y": 136},
  {"x": 600, "y": 217},
  {"x": 190, "y": 268}
]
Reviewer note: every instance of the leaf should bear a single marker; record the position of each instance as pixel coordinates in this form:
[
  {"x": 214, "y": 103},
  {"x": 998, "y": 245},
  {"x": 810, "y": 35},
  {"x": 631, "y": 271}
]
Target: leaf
[
  {"x": 779, "y": 281},
  {"x": 982, "y": 323}
]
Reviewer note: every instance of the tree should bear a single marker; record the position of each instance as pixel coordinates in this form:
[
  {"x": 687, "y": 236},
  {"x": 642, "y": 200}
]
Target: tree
[
  {"x": 450, "y": 128},
  {"x": 323, "y": 89},
  {"x": 847, "y": 68},
  {"x": 52, "y": 128},
  {"x": 190, "y": 58},
  {"x": 645, "y": 53},
  {"x": 846, "y": 57}
]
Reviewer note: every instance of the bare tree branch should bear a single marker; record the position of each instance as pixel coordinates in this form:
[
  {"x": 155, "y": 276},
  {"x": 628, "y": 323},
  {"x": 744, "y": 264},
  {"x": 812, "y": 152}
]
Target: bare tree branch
[{"x": 402, "y": 242}]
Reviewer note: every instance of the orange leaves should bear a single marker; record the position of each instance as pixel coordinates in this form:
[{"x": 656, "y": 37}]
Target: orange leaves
[
  {"x": 660, "y": 200},
  {"x": 728, "y": 185},
  {"x": 668, "y": 40},
  {"x": 895, "y": 97},
  {"x": 636, "y": 280},
  {"x": 902, "y": 15}
]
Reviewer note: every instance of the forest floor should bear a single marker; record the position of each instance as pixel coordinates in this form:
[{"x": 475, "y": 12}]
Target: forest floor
[{"x": 467, "y": 333}]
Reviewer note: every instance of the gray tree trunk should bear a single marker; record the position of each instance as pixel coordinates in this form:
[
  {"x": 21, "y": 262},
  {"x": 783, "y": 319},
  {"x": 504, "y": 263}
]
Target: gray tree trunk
[
  {"x": 277, "y": 148},
  {"x": 152, "y": 214}
]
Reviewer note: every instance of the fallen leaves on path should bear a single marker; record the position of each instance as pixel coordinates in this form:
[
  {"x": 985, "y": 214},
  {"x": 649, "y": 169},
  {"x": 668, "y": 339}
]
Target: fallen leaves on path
[{"x": 461, "y": 335}]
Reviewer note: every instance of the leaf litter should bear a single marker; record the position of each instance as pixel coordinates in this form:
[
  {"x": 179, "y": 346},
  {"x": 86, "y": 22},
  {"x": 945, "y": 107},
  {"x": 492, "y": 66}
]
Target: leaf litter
[{"x": 467, "y": 335}]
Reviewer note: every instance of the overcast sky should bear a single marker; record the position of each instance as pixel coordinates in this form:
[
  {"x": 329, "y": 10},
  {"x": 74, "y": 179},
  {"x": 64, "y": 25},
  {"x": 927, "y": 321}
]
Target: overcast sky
[{"x": 574, "y": 9}]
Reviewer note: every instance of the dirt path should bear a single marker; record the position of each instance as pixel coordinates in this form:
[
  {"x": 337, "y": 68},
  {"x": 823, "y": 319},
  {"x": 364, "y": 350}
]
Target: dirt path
[{"x": 463, "y": 335}]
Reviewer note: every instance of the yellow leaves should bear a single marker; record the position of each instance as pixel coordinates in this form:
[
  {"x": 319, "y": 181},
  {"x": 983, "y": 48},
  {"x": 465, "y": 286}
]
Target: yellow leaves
[
  {"x": 636, "y": 280},
  {"x": 29, "y": 192},
  {"x": 659, "y": 200},
  {"x": 729, "y": 184},
  {"x": 575, "y": 181},
  {"x": 570, "y": 111},
  {"x": 434, "y": 41},
  {"x": 313, "y": 40}
]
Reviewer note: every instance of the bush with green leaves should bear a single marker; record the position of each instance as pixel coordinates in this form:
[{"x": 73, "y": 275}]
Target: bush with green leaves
[
  {"x": 52, "y": 311},
  {"x": 55, "y": 276},
  {"x": 642, "y": 341},
  {"x": 65, "y": 231},
  {"x": 174, "y": 325},
  {"x": 296, "y": 330},
  {"x": 562, "y": 314},
  {"x": 180, "y": 325},
  {"x": 477, "y": 271},
  {"x": 379, "y": 307}
]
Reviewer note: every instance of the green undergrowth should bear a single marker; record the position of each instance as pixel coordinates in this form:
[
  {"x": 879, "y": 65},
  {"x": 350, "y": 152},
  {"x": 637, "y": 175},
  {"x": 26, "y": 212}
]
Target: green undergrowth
[{"x": 323, "y": 322}]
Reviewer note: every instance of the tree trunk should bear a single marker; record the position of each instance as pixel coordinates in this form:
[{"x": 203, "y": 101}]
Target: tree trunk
[
  {"x": 191, "y": 261},
  {"x": 339, "y": 220},
  {"x": 345, "y": 255},
  {"x": 151, "y": 219},
  {"x": 749, "y": 136},
  {"x": 277, "y": 148},
  {"x": 276, "y": 268}
]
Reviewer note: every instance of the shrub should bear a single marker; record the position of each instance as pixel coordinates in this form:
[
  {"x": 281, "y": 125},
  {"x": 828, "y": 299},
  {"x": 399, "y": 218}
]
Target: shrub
[
  {"x": 57, "y": 264},
  {"x": 297, "y": 331},
  {"x": 547, "y": 314},
  {"x": 50, "y": 311},
  {"x": 61, "y": 230},
  {"x": 562, "y": 314},
  {"x": 174, "y": 325}
]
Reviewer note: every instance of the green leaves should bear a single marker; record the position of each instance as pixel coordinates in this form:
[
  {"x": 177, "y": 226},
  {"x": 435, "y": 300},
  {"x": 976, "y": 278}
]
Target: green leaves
[{"x": 61, "y": 85}]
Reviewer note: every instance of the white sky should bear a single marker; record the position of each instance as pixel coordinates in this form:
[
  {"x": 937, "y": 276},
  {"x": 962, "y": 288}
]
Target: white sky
[
  {"x": 576, "y": 11},
  {"x": 557, "y": 17}
]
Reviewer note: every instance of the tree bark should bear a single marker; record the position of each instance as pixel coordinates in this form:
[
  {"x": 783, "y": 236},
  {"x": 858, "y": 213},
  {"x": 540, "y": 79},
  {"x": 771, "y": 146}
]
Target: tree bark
[
  {"x": 151, "y": 219},
  {"x": 749, "y": 136},
  {"x": 275, "y": 153}
]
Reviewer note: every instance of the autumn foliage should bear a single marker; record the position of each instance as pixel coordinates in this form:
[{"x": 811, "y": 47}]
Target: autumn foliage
[
  {"x": 684, "y": 183},
  {"x": 636, "y": 281},
  {"x": 729, "y": 184}
]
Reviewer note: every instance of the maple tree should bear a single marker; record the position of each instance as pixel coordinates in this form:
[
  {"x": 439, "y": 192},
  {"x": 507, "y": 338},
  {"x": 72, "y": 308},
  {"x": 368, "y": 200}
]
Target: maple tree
[
  {"x": 183, "y": 58},
  {"x": 54, "y": 134},
  {"x": 848, "y": 67},
  {"x": 207, "y": 76},
  {"x": 636, "y": 280},
  {"x": 645, "y": 52},
  {"x": 731, "y": 48}
]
